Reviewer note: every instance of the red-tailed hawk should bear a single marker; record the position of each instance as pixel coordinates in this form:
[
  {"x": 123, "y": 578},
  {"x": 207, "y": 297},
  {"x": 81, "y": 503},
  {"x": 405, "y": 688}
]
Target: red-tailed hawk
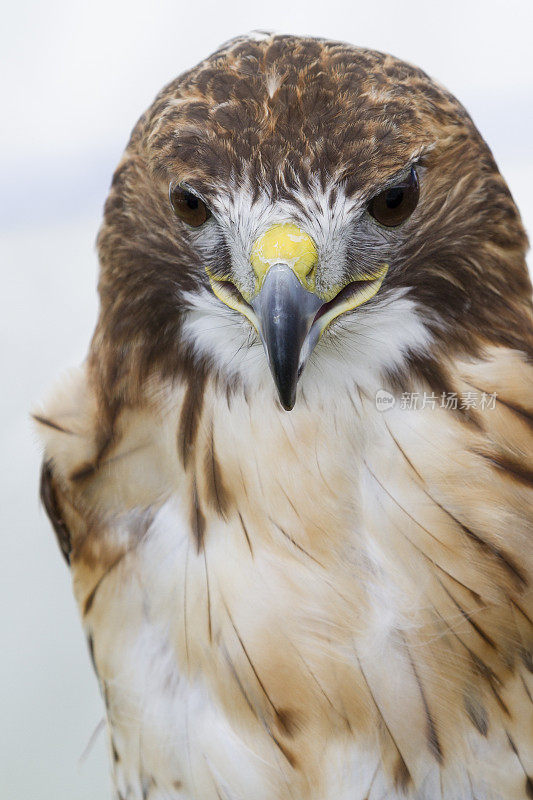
[{"x": 294, "y": 478}]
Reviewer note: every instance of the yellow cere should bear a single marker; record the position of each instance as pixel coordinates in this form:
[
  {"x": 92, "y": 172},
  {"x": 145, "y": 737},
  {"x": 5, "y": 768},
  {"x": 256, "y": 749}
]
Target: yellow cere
[{"x": 285, "y": 243}]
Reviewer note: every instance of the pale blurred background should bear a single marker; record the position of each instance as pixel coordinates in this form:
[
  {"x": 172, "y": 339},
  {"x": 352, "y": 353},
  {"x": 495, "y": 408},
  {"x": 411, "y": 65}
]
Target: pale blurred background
[{"x": 75, "y": 78}]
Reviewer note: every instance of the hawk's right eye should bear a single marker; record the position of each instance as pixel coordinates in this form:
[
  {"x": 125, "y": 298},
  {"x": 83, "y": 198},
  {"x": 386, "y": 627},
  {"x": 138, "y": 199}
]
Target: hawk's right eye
[{"x": 187, "y": 206}]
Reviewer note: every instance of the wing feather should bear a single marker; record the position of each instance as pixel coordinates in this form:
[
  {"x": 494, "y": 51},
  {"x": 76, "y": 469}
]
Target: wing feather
[{"x": 50, "y": 497}]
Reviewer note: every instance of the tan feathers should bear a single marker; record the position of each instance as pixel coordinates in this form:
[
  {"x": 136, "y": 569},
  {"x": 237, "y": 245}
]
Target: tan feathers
[
  {"x": 370, "y": 591},
  {"x": 332, "y": 603}
]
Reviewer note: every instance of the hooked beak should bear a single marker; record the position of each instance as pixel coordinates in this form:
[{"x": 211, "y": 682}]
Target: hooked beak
[{"x": 287, "y": 312}]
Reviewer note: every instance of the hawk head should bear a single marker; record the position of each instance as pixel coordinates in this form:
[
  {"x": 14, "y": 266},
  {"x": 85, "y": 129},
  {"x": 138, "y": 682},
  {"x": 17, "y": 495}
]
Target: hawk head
[{"x": 302, "y": 207}]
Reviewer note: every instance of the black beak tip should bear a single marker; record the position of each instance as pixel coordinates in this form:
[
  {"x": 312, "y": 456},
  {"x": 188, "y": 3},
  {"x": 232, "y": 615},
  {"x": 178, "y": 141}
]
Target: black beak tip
[
  {"x": 287, "y": 405},
  {"x": 287, "y": 394}
]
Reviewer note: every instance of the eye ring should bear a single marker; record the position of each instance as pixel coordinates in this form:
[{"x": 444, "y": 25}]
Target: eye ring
[
  {"x": 187, "y": 206},
  {"x": 395, "y": 204}
]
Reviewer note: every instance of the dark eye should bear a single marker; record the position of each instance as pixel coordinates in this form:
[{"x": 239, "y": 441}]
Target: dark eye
[
  {"x": 187, "y": 206},
  {"x": 395, "y": 204}
]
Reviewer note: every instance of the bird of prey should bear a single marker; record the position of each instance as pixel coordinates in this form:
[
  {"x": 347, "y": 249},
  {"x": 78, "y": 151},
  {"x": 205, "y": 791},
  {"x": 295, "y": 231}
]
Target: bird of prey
[{"x": 294, "y": 477}]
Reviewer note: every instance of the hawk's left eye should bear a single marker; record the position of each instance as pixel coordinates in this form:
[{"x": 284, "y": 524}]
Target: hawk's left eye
[
  {"x": 395, "y": 204},
  {"x": 187, "y": 206}
]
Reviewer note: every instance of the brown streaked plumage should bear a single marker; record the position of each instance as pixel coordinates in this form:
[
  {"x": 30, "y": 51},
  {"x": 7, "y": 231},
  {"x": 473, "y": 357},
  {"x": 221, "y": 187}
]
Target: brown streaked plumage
[{"x": 331, "y": 602}]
